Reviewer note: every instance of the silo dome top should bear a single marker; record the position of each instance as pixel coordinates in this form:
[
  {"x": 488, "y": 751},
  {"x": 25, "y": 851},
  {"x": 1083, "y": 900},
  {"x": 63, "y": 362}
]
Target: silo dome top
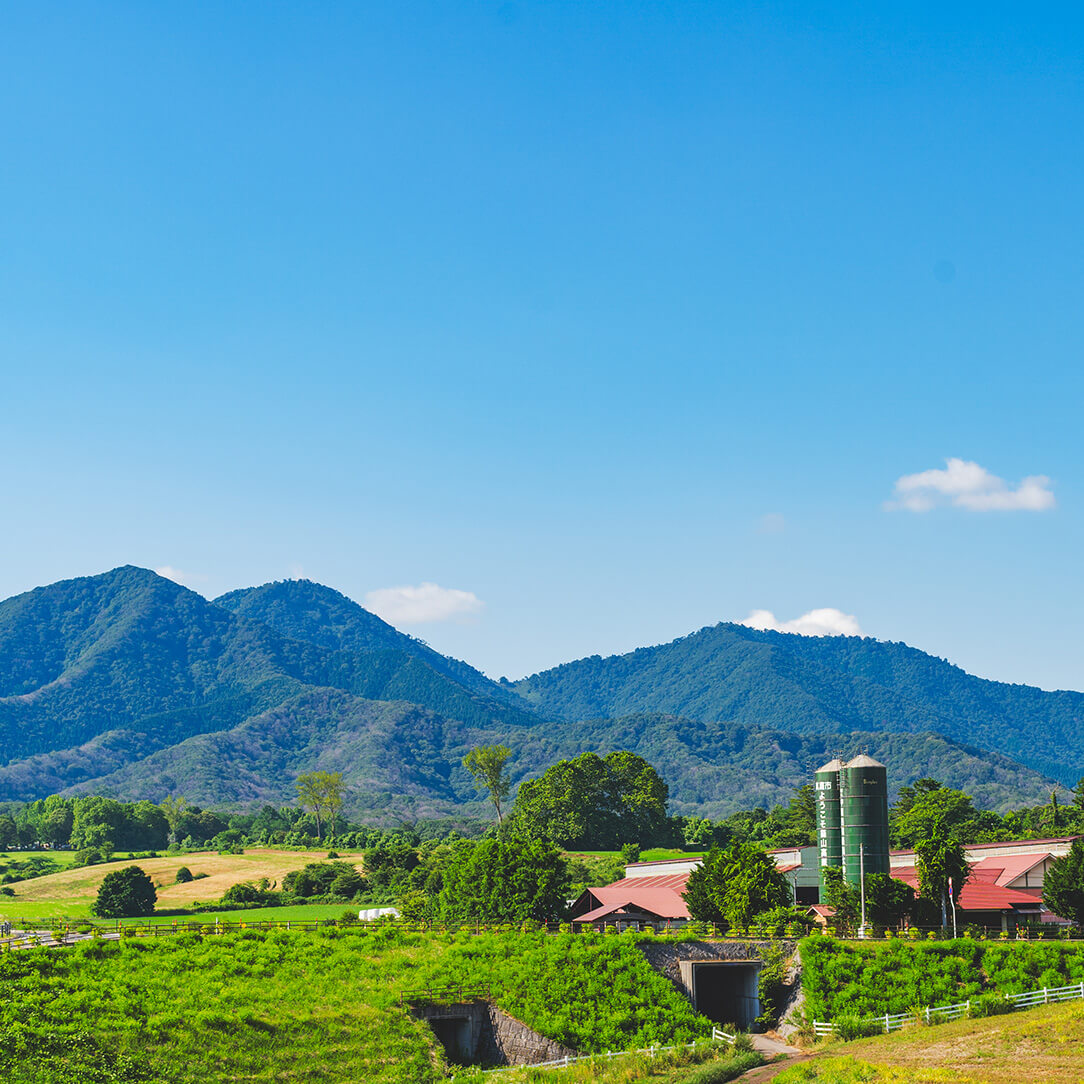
[
  {"x": 832, "y": 766},
  {"x": 862, "y": 761}
]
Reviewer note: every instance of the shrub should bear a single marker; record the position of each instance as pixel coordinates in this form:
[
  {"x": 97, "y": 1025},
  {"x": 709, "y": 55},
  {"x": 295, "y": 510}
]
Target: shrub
[
  {"x": 719, "y": 1072},
  {"x": 184, "y": 875},
  {"x": 851, "y": 1027},
  {"x": 989, "y": 1005},
  {"x": 125, "y": 893}
]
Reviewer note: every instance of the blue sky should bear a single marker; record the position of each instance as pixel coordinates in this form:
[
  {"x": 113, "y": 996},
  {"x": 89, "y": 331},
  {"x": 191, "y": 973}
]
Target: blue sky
[{"x": 612, "y": 319}]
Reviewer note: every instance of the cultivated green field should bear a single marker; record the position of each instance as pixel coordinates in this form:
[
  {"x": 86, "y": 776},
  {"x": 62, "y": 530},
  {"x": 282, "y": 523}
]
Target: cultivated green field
[{"x": 315, "y": 1007}]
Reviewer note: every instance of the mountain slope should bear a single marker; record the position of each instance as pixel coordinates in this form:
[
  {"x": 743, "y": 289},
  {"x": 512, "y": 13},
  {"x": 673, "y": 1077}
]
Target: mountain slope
[
  {"x": 314, "y": 614},
  {"x": 819, "y": 685},
  {"x": 101, "y": 672},
  {"x": 131, "y": 685}
]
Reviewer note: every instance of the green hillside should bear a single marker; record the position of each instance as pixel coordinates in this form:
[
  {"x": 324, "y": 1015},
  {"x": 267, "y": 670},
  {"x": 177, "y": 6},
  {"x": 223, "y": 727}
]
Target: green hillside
[
  {"x": 131, "y": 685},
  {"x": 100, "y": 673},
  {"x": 819, "y": 685},
  {"x": 314, "y": 614}
]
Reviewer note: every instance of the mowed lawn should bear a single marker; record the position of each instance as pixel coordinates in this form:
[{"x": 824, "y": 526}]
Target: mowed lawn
[
  {"x": 1043, "y": 1045},
  {"x": 70, "y": 893}
]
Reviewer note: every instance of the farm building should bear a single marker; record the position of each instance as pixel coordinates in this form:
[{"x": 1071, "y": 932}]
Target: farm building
[{"x": 1005, "y": 884}]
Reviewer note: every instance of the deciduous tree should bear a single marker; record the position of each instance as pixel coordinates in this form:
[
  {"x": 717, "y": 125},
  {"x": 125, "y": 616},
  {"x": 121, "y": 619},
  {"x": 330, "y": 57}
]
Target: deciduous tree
[
  {"x": 1063, "y": 885},
  {"x": 487, "y": 764},
  {"x": 940, "y": 859},
  {"x": 125, "y": 893}
]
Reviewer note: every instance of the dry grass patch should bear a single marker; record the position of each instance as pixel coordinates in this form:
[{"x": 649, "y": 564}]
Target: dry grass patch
[
  {"x": 78, "y": 888},
  {"x": 1043, "y": 1045}
]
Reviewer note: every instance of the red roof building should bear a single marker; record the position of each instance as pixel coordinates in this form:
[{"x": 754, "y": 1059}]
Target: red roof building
[{"x": 1005, "y": 883}]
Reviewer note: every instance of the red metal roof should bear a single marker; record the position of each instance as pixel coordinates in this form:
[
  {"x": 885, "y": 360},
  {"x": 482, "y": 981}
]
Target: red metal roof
[
  {"x": 658, "y": 896},
  {"x": 976, "y": 895}
]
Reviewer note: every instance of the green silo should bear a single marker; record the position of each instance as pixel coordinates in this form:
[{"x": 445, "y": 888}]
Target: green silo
[
  {"x": 863, "y": 791},
  {"x": 829, "y": 835}
]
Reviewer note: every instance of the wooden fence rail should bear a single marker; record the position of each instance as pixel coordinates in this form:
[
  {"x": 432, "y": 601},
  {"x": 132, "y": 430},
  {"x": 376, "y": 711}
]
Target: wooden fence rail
[{"x": 943, "y": 1013}]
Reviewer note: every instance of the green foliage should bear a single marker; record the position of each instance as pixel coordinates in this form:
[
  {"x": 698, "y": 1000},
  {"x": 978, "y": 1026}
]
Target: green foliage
[
  {"x": 1063, "y": 885},
  {"x": 339, "y": 880},
  {"x": 496, "y": 880},
  {"x": 125, "y": 893},
  {"x": 989, "y": 1005},
  {"x": 888, "y": 900},
  {"x": 593, "y": 802},
  {"x": 719, "y": 1072},
  {"x": 486, "y": 763},
  {"x": 738, "y": 884},
  {"x": 31, "y": 1052},
  {"x": 842, "y": 979},
  {"x": 941, "y": 865},
  {"x": 270, "y": 1006},
  {"x": 184, "y": 875}
]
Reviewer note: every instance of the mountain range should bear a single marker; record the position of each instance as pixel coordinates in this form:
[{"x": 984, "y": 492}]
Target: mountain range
[{"x": 131, "y": 685}]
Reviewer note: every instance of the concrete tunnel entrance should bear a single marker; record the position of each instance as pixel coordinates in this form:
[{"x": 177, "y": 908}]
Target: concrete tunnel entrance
[{"x": 725, "y": 991}]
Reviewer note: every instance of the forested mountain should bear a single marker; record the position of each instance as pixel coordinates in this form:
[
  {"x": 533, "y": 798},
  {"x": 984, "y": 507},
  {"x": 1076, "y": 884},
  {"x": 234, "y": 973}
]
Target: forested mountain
[
  {"x": 307, "y": 611},
  {"x": 820, "y": 685},
  {"x": 130, "y": 685},
  {"x": 98, "y": 673}
]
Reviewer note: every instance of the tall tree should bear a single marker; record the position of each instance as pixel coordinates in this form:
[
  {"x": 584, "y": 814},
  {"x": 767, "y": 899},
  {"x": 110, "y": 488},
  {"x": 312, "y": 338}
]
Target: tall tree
[
  {"x": 504, "y": 880},
  {"x": 940, "y": 859},
  {"x": 595, "y": 802},
  {"x": 739, "y": 884},
  {"x": 487, "y": 764},
  {"x": 1063, "y": 885},
  {"x": 322, "y": 793},
  {"x": 173, "y": 809}
]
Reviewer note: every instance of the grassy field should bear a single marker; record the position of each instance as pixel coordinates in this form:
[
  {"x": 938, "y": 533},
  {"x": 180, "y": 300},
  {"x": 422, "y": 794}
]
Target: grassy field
[
  {"x": 1043, "y": 1045},
  {"x": 316, "y": 1007},
  {"x": 654, "y": 854},
  {"x": 70, "y": 893}
]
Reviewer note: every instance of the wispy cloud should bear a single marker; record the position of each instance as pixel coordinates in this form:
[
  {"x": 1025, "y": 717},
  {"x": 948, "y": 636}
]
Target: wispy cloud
[
  {"x": 191, "y": 580},
  {"x": 964, "y": 484},
  {"x": 824, "y": 622},
  {"x": 421, "y": 604}
]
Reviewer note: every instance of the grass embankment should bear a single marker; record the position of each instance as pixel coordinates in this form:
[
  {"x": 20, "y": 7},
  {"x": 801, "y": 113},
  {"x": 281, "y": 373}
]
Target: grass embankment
[
  {"x": 318, "y": 1007},
  {"x": 70, "y": 893},
  {"x": 847, "y": 979},
  {"x": 1044, "y": 1045},
  {"x": 703, "y": 1066}
]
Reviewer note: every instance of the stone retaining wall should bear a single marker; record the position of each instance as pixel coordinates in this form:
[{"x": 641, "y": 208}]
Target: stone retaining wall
[{"x": 478, "y": 1033}]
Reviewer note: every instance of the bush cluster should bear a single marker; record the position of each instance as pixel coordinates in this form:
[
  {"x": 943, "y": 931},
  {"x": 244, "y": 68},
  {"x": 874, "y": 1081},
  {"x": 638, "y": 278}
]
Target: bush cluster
[{"x": 846, "y": 980}]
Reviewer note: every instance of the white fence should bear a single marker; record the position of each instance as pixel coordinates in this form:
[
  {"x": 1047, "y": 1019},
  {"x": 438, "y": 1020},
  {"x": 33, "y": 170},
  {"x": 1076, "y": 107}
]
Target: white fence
[
  {"x": 943, "y": 1013},
  {"x": 717, "y": 1036}
]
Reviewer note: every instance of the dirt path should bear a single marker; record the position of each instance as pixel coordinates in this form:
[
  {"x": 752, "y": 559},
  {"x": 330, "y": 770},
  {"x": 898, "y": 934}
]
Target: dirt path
[{"x": 767, "y": 1072}]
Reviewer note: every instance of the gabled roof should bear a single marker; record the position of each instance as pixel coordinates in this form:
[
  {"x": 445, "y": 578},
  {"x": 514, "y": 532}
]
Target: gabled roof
[
  {"x": 976, "y": 895},
  {"x": 1004, "y": 869},
  {"x": 658, "y": 896}
]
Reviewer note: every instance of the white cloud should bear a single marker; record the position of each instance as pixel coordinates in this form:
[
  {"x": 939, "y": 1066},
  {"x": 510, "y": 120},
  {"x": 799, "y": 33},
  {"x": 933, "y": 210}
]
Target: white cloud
[
  {"x": 185, "y": 579},
  {"x": 825, "y": 622},
  {"x": 423, "y": 603},
  {"x": 965, "y": 484}
]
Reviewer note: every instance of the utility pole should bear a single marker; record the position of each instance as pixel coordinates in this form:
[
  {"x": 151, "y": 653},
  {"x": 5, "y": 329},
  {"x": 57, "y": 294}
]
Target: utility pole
[
  {"x": 952, "y": 900},
  {"x": 862, "y": 884}
]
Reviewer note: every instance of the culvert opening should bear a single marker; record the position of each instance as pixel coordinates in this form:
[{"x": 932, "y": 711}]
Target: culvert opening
[
  {"x": 455, "y": 1035},
  {"x": 478, "y": 1033},
  {"x": 725, "y": 991}
]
